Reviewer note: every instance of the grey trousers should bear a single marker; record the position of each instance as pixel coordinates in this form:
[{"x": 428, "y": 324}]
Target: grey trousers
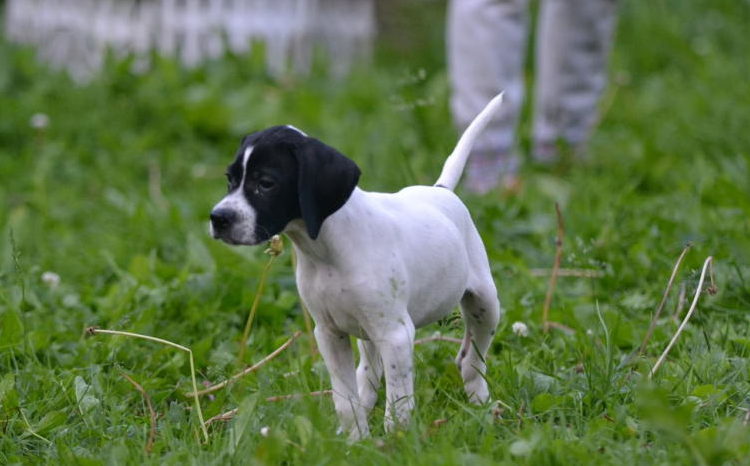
[{"x": 486, "y": 51}]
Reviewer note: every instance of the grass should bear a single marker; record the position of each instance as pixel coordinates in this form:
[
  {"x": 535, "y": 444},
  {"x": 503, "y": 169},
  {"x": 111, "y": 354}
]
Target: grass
[{"x": 113, "y": 197}]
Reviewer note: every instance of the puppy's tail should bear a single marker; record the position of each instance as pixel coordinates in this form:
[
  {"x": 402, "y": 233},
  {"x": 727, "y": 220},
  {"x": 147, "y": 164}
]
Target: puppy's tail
[{"x": 454, "y": 166}]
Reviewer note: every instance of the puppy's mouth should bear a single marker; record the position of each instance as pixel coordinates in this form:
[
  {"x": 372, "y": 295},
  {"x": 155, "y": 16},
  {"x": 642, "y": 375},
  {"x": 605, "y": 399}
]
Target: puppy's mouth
[{"x": 230, "y": 239}]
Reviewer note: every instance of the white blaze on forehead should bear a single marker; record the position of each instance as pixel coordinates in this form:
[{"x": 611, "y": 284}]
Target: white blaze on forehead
[
  {"x": 245, "y": 158},
  {"x": 294, "y": 128}
]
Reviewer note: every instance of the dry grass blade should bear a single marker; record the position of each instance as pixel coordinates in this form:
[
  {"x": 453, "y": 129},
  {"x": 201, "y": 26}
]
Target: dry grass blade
[
  {"x": 223, "y": 416},
  {"x": 96, "y": 331},
  {"x": 555, "y": 268},
  {"x": 746, "y": 421},
  {"x": 664, "y": 297},
  {"x": 437, "y": 338},
  {"x": 708, "y": 264},
  {"x": 438, "y": 422},
  {"x": 152, "y": 414},
  {"x": 561, "y": 327},
  {"x": 245, "y": 371},
  {"x": 30, "y": 430}
]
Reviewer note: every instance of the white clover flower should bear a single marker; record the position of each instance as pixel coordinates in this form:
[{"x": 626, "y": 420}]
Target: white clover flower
[
  {"x": 51, "y": 279},
  {"x": 264, "y": 431},
  {"x": 520, "y": 329},
  {"x": 39, "y": 121}
]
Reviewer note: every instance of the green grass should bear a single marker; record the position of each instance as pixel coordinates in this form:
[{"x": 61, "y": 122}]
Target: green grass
[{"x": 669, "y": 164}]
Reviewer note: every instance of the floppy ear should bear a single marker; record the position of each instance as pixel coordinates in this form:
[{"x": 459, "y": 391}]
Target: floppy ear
[{"x": 326, "y": 179}]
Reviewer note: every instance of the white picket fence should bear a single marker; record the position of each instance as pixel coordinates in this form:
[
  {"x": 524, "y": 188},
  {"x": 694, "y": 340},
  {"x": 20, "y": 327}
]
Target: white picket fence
[{"x": 75, "y": 34}]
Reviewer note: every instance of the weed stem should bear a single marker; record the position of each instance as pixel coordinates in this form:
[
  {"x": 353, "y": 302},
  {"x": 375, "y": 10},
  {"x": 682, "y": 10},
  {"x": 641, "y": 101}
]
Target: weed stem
[
  {"x": 276, "y": 247},
  {"x": 664, "y": 297},
  {"x": 555, "y": 268},
  {"x": 244, "y": 372},
  {"x": 706, "y": 265}
]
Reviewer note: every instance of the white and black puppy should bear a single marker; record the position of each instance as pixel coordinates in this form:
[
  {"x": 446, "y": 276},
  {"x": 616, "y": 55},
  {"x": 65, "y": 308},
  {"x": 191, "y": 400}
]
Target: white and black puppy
[{"x": 372, "y": 265}]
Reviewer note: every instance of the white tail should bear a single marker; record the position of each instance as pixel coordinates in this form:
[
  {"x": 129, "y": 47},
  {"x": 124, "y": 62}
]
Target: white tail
[{"x": 456, "y": 162}]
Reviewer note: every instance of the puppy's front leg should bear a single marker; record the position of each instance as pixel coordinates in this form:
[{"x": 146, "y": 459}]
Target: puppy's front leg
[
  {"x": 339, "y": 358},
  {"x": 396, "y": 346},
  {"x": 369, "y": 373}
]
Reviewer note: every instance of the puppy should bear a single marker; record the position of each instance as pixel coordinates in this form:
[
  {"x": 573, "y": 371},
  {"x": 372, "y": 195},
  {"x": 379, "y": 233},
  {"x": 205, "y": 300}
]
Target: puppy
[{"x": 372, "y": 265}]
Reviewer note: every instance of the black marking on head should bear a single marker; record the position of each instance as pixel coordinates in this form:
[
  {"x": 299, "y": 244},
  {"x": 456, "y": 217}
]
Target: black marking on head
[{"x": 289, "y": 175}]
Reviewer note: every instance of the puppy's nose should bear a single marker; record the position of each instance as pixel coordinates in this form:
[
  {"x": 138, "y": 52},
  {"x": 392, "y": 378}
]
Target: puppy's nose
[{"x": 222, "y": 218}]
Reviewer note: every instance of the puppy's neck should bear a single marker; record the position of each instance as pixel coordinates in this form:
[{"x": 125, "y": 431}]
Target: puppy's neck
[{"x": 327, "y": 247}]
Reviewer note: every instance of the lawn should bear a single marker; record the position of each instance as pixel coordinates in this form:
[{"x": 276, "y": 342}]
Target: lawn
[{"x": 113, "y": 197}]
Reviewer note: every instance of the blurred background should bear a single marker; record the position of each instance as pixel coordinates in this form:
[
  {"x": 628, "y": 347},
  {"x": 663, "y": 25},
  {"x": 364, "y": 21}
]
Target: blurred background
[{"x": 118, "y": 118}]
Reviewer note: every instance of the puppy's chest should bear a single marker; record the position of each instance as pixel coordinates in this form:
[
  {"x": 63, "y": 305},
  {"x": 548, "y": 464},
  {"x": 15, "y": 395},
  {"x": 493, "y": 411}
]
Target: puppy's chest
[{"x": 343, "y": 302}]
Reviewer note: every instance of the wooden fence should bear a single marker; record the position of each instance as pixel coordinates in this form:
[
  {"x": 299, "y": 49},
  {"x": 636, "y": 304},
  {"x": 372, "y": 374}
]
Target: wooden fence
[{"x": 75, "y": 34}]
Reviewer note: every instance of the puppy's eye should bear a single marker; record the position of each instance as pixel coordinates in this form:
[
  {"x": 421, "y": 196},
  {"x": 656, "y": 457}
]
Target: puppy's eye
[{"x": 266, "y": 183}]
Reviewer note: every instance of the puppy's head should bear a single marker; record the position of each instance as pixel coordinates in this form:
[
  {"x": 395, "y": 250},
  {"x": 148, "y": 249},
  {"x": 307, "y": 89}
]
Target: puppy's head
[{"x": 278, "y": 175}]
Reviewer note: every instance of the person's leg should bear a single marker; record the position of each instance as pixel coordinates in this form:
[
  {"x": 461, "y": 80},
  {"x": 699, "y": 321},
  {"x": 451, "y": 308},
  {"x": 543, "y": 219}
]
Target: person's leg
[
  {"x": 574, "y": 39},
  {"x": 486, "y": 44}
]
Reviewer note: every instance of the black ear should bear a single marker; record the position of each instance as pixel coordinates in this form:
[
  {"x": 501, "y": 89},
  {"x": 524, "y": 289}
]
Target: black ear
[{"x": 326, "y": 180}]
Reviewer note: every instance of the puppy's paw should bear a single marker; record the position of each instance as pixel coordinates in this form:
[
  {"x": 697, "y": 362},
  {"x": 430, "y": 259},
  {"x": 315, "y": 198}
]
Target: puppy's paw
[
  {"x": 355, "y": 434},
  {"x": 477, "y": 391}
]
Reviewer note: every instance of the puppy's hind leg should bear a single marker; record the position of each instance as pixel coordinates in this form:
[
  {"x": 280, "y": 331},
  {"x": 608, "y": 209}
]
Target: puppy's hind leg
[
  {"x": 369, "y": 373},
  {"x": 481, "y": 311}
]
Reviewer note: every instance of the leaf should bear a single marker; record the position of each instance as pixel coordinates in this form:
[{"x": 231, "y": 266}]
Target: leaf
[
  {"x": 84, "y": 396},
  {"x": 705, "y": 391},
  {"x": 245, "y": 411}
]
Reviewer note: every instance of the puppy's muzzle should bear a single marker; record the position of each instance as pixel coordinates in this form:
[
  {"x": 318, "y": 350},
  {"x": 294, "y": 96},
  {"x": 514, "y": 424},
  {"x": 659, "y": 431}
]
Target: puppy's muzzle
[{"x": 222, "y": 221}]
